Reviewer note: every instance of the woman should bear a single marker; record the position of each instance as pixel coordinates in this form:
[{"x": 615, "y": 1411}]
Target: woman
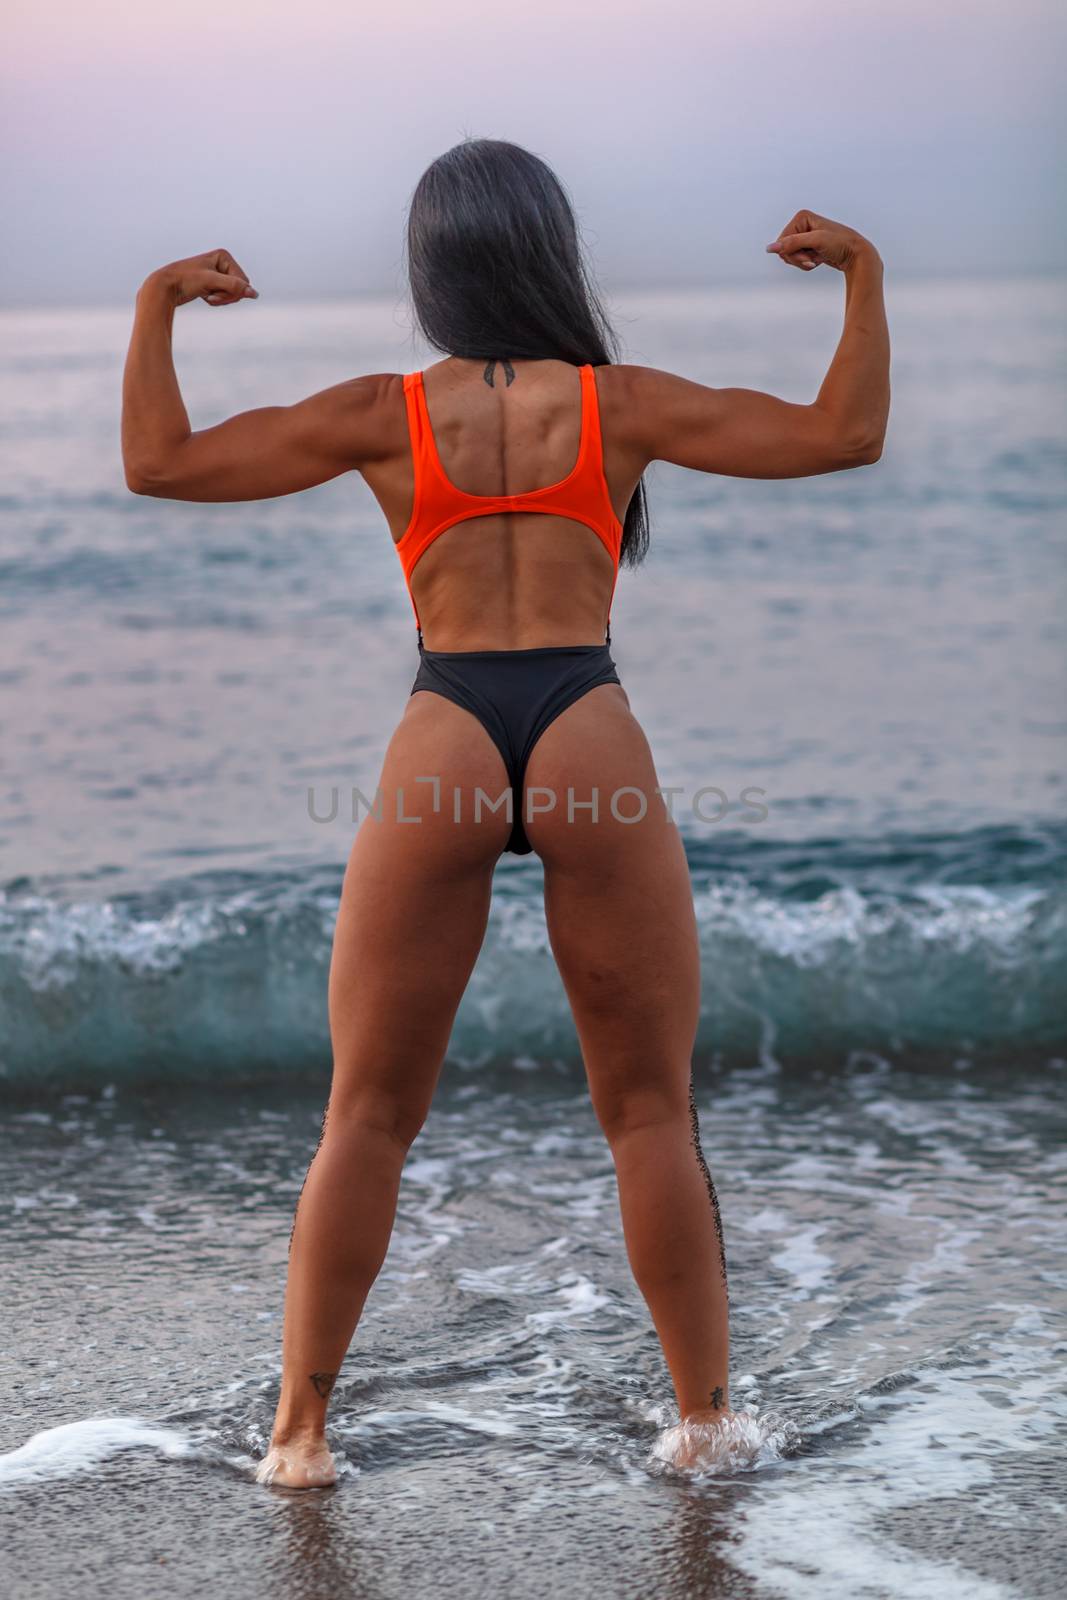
[{"x": 509, "y": 474}]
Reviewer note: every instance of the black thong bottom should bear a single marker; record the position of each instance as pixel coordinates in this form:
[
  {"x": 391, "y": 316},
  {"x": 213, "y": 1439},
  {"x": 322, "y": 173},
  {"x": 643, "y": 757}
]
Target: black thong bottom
[{"x": 515, "y": 694}]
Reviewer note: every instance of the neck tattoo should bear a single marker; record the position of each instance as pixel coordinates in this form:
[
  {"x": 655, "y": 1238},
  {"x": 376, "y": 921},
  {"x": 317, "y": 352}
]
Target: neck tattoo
[{"x": 509, "y": 372}]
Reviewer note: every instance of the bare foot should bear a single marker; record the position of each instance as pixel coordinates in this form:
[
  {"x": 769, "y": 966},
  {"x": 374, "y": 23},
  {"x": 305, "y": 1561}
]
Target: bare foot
[
  {"x": 701, "y": 1439},
  {"x": 707, "y": 1440},
  {"x": 301, "y": 1463}
]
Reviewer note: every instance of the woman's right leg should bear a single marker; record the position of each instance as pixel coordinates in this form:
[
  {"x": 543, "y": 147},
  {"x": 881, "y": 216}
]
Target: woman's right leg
[
  {"x": 619, "y": 907},
  {"x": 411, "y": 922}
]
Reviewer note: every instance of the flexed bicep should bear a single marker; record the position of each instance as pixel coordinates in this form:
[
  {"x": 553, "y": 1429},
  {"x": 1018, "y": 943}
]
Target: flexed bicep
[
  {"x": 272, "y": 450},
  {"x": 254, "y": 455},
  {"x": 742, "y": 433},
  {"x": 746, "y": 433}
]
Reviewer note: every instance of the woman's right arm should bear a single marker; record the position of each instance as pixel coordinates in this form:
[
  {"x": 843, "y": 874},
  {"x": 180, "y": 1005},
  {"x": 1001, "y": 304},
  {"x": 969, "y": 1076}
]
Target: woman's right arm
[{"x": 744, "y": 433}]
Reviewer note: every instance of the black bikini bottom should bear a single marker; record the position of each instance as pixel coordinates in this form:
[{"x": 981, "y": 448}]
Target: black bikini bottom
[{"x": 515, "y": 694}]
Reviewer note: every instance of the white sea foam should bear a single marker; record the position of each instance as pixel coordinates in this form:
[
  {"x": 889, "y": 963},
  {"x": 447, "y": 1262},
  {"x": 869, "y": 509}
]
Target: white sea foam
[
  {"x": 75, "y": 1447},
  {"x": 806, "y": 1546}
]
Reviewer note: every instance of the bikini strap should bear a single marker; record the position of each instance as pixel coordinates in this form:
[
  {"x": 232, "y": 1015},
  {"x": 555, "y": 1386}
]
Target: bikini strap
[
  {"x": 593, "y": 440},
  {"x": 593, "y": 447}
]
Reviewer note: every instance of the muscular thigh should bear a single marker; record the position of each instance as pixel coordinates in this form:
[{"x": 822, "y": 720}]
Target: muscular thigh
[
  {"x": 413, "y": 911},
  {"x": 618, "y": 902}
]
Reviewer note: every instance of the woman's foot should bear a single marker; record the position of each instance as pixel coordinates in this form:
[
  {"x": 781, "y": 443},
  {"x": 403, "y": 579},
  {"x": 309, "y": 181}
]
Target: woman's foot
[
  {"x": 300, "y": 1462},
  {"x": 703, "y": 1440}
]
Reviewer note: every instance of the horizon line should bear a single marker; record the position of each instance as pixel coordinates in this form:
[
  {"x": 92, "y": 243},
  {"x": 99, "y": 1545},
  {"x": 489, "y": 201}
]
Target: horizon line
[{"x": 393, "y": 295}]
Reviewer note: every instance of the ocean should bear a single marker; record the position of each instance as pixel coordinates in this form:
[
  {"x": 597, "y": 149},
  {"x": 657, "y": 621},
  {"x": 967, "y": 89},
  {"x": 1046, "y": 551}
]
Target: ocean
[{"x": 855, "y": 683}]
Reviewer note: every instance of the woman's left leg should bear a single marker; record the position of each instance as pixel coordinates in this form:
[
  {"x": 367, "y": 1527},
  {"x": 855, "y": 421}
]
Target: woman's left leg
[
  {"x": 411, "y": 922},
  {"x": 619, "y": 908}
]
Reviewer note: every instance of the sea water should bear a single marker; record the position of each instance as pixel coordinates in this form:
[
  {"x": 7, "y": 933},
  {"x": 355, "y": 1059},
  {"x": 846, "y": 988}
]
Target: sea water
[{"x": 876, "y": 658}]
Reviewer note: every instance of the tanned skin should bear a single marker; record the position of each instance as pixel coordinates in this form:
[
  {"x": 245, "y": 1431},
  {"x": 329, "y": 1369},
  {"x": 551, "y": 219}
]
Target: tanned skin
[{"x": 415, "y": 900}]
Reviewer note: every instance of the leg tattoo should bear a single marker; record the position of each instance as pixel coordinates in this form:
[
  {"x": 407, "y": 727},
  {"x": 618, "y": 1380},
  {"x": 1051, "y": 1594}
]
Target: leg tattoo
[
  {"x": 318, "y": 1147},
  {"x": 323, "y": 1381},
  {"x": 695, "y": 1126}
]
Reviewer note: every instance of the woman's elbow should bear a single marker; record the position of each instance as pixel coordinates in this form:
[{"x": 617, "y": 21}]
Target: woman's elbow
[
  {"x": 862, "y": 451},
  {"x": 143, "y": 480}
]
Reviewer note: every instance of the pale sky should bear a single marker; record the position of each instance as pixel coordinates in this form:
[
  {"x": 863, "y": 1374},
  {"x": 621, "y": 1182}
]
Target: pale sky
[{"x": 687, "y": 132}]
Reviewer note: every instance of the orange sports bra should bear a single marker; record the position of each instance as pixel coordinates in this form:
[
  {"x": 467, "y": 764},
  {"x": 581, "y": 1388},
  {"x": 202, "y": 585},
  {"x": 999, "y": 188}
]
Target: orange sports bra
[{"x": 582, "y": 495}]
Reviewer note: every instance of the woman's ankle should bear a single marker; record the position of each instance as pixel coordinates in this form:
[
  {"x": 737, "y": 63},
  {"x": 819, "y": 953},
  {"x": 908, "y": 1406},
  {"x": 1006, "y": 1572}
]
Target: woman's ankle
[
  {"x": 714, "y": 1413},
  {"x": 304, "y": 1431}
]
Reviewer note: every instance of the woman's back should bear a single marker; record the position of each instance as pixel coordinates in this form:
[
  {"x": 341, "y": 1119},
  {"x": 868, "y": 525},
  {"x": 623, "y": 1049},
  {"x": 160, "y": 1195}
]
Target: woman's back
[
  {"x": 512, "y": 580},
  {"x": 483, "y": 576}
]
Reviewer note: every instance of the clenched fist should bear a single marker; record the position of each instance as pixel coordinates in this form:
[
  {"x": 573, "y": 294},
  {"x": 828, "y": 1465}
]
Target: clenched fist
[
  {"x": 215, "y": 277},
  {"x": 809, "y": 239}
]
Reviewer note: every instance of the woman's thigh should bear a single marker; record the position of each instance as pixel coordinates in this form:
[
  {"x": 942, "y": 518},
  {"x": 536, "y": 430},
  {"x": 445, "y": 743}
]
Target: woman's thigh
[
  {"x": 413, "y": 913},
  {"x": 619, "y": 907}
]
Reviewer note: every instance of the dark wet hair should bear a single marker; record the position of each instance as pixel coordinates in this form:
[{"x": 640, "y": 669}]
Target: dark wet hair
[{"x": 496, "y": 269}]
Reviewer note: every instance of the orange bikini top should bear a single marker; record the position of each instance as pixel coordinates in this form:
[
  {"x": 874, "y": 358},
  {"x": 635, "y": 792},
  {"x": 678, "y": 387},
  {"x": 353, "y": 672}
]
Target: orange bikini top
[{"x": 582, "y": 495}]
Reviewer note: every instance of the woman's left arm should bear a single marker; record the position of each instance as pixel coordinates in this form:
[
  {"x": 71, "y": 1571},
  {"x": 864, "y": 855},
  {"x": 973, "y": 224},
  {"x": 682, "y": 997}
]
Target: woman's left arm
[{"x": 254, "y": 455}]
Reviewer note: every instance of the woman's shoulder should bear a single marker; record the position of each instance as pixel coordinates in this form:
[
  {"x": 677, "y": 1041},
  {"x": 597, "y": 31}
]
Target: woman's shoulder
[
  {"x": 631, "y": 398},
  {"x": 625, "y": 384},
  {"x": 375, "y": 401}
]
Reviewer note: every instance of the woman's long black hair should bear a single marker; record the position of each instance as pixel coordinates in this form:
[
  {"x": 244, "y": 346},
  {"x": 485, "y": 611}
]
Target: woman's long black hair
[{"x": 496, "y": 270}]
